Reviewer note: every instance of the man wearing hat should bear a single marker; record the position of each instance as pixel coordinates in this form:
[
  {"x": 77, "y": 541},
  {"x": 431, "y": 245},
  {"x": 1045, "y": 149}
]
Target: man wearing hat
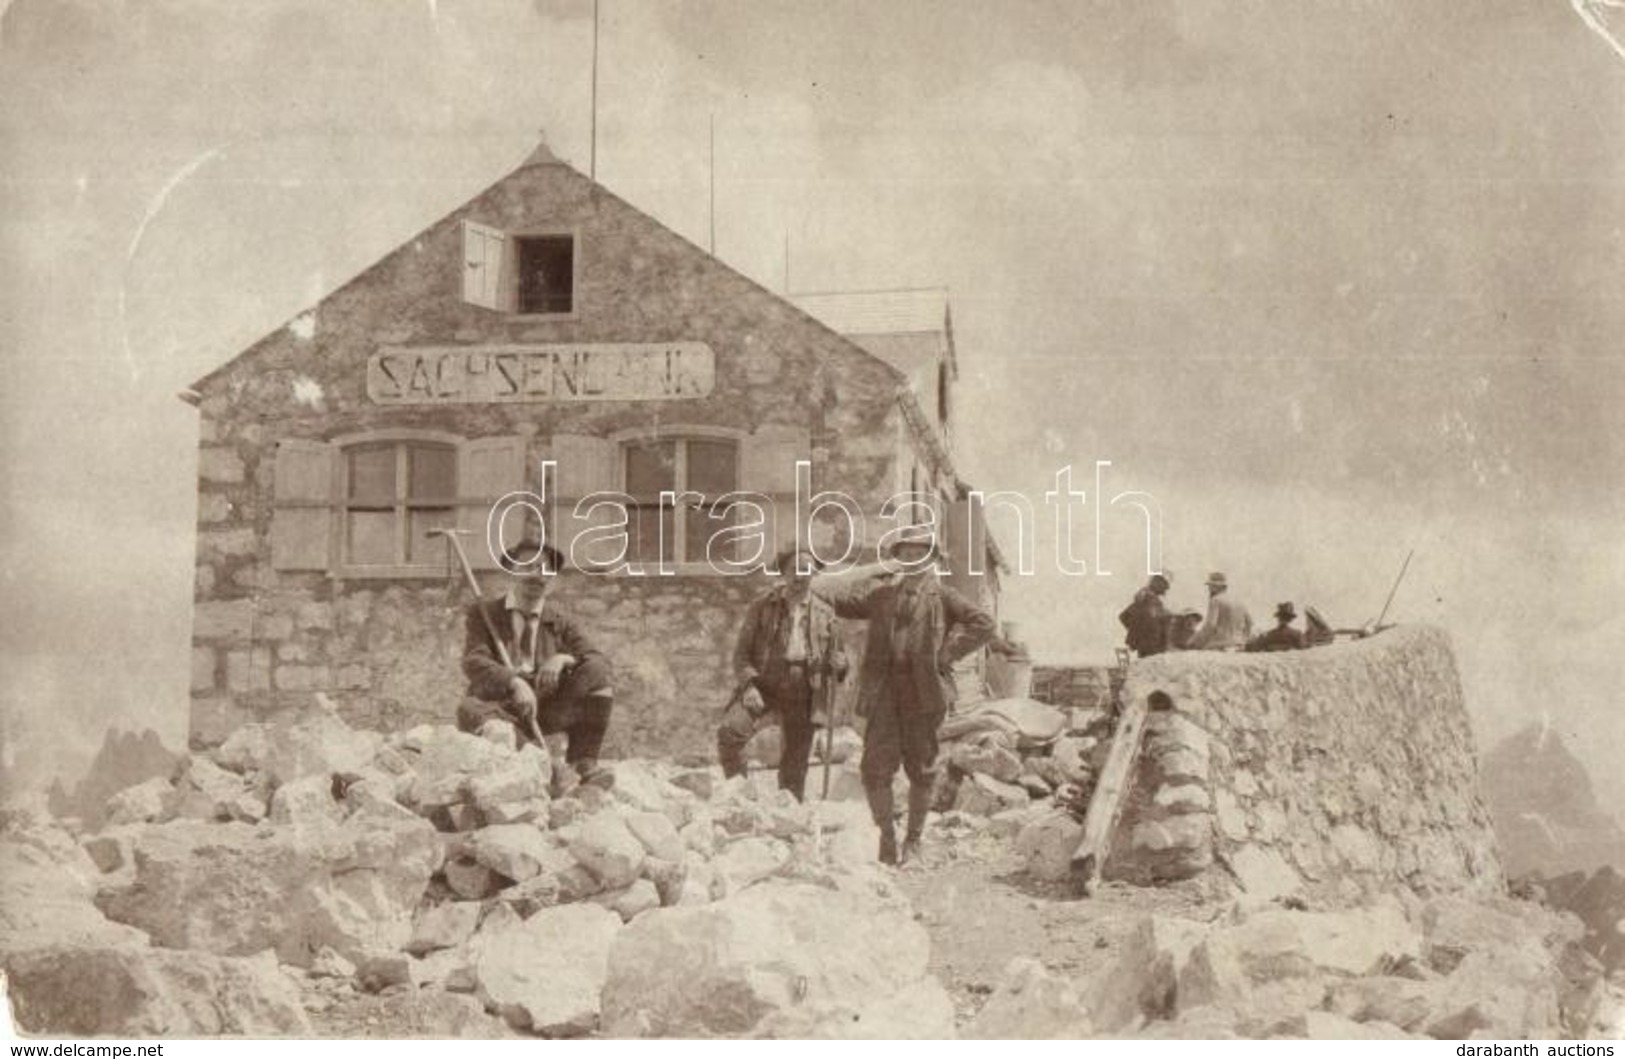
[
  {"x": 1147, "y": 619},
  {"x": 1228, "y": 625},
  {"x": 789, "y": 649},
  {"x": 553, "y": 672},
  {"x": 1283, "y": 637},
  {"x": 918, "y": 629}
]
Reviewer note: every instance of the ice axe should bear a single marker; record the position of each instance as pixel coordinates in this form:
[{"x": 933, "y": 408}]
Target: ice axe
[{"x": 452, "y": 536}]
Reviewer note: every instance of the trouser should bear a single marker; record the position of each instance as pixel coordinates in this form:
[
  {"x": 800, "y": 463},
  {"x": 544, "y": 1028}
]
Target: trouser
[
  {"x": 901, "y": 731},
  {"x": 788, "y": 698},
  {"x": 579, "y": 707}
]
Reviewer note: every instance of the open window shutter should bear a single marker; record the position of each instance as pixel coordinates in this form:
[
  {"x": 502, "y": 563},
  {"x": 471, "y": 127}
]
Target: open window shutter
[
  {"x": 586, "y": 465},
  {"x": 487, "y": 470},
  {"x": 302, "y": 520},
  {"x": 768, "y": 465},
  {"x": 482, "y": 265}
]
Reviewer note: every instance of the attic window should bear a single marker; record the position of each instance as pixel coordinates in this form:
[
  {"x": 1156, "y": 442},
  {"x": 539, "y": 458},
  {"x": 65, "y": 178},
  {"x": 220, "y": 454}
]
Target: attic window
[
  {"x": 546, "y": 273},
  {"x": 518, "y": 272}
]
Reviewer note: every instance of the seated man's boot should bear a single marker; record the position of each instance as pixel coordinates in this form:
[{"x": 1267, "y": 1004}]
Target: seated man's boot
[
  {"x": 919, "y": 803},
  {"x": 564, "y": 777},
  {"x": 594, "y": 775}
]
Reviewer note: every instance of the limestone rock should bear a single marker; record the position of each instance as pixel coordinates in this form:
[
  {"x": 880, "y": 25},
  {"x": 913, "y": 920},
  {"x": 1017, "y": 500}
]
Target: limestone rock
[
  {"x": 127, "y": 991},
  {"x": 146, "y": 802},
  {"x": 305, "y": 802},
  {"x": 698, "y": 782},
  {"x": 443, "y": 762},
  {"x": 443, "y": 926},
  {"x": 1263, "y": 874},
  {"x": 726, "y": 968},
  {"x": 471, "y": 880},
  {"x": 987, "y": 753},
  {"x": 631, "y": 901},
  {"x": 522, "y": 779},
  {"x": 209, "y": 792},
  {"x": 986, "y": 796},
  {"x": 609, "y": 850},
  {"x": 47, "y": 884},
  {"x": 919, "y": 1011},
  {"x": 668, "y": 876},
  {"x": 314, "y": 743},
  {"x": 638, "y": 786},
  {"x": 747, "y": 861},
  {"x": 232, "y": 889},
  {"x": 517, "y": 851},
  {"x": 657, "y": 833},
  {"x": 1047, "y": 843},
  {"x": 546, "y": 974},
  {"x": 1142, "y": 980},
  {"x": 1031, "y": 1003}
]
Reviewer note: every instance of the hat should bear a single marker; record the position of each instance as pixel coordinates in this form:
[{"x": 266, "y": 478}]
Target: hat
[
  {"x": 518, "y": 558},
  {"x": 786, "y": 560},
  {"x": 927, "y": 542},
  {"x": 1217, "y": 580},
  {"x": 1285, "y": 611},
  {"x": 1164, "y": 576},
  {"x": 1189, "y": 615}
]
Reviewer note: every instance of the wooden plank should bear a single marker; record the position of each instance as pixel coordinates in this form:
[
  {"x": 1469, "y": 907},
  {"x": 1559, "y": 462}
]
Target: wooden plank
[{"x": 1110, "y": 796}]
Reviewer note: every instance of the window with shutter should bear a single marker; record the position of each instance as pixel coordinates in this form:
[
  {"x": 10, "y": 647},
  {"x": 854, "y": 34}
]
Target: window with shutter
[
  {"x": 395, "y": 493},
  {"x": 302, "y": 520},
  {"x": 584, "y": 466},
  {"x": 488, "y": 470},
  {"x": 768, "y": 466},
  {"x": 484, "y": 256}
]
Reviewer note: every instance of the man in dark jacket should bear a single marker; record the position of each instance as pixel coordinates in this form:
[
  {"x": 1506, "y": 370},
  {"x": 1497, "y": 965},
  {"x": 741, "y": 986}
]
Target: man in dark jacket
[
  {"x": 551, "y": 671},
  {"x": 1283, "y": 637},
  {"x": 1147, "y": 619},
  {"x": 918, "y": 629},
  {"x": 788, "y": 655}
]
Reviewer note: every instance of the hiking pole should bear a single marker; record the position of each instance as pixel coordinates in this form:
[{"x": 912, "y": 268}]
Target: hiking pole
[
  {"x": 827, "y": 691},
  {"x": 452, "y": 536},
  {"x": 1405, "y": 566}
]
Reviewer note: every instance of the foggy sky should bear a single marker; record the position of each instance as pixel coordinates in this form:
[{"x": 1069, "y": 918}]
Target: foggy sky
[{"x": 1331, "y": 281}]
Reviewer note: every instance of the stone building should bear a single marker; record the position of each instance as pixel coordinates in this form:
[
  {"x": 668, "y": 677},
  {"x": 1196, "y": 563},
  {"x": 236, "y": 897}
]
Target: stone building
[{"x": 547, "y": 339}]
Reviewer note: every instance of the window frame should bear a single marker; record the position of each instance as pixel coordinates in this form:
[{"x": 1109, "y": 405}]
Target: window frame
[
  {"x": 682, "y": 435},
  {"x": 341, "y": 568},
  {"x": 511, "y": 261}
]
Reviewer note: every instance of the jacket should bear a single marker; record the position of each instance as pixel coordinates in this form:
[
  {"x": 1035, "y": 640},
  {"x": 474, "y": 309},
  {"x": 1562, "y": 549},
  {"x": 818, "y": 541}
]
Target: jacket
[
  {"x": 948, "y": 628},
  {"x": 487, "y": 677},
  {"x": 760, "y": 639},
  {"x": 1228, "y": 625},
  {"x": 1146, "y": 620}
]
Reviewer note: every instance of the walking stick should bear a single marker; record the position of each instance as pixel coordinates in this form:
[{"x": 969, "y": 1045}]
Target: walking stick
[
  {"x": 474, "y": 586},
  {"x": 1391, "y": 591},
  {"x": 827, "y": 691}
]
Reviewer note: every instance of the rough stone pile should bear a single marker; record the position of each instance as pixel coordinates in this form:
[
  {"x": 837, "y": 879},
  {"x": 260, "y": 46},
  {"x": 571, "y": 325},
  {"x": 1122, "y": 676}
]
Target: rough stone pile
[
  {"x": 1450, "y": 968},
  {"x": 303, "y": 865}
]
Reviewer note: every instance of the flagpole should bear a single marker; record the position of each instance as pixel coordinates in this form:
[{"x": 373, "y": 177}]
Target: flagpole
[{"x": 592, "y": 158}]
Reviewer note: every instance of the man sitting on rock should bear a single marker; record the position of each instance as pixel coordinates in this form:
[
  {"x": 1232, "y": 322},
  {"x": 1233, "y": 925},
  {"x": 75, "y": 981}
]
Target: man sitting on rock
[
  {"x": 789, "y": 650},
  {"x": 1283, "y": 637},
  {"x": 918, "y": 629},
  {"x": 1228, "y": 626},
  {"x": 543, "y": 671}
]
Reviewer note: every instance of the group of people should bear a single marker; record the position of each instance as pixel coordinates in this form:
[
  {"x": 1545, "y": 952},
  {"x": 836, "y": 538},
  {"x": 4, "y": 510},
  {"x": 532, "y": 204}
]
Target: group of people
[
  {"x": 1153, "y": 628},
  {"x": 532, "y": 668}
]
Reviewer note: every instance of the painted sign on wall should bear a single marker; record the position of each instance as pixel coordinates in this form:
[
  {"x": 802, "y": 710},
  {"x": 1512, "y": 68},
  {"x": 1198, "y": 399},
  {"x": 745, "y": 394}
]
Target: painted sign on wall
[{"x": 497, "y": 374}]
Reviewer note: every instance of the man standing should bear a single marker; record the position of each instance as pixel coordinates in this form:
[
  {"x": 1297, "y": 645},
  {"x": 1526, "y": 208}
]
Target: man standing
[
  {"x": 789, "y": 652},
  {"x": 918, "y": 629},
  {"x": 551, "y": 672},
  {"x": 1283, "y": 637},
  {"x": 1228, "y": 625},
  {"x": 1147, "y": 618}
]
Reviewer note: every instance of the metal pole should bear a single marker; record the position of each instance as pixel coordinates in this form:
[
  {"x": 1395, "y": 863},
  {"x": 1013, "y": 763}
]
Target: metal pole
[
  {"x": 592, "y": 158},
  {"x": 1391, "y": 591}
]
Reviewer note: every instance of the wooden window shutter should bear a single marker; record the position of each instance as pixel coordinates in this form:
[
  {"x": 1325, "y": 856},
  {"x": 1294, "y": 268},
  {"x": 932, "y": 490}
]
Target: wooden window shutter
[
  {"x": 302, "y": 520},
  {"x": 767, "y": 464},
  {"x": 585, "y": 465},
  {"x": 483, "y": 255},
  {"x": 487, "y": 470}
]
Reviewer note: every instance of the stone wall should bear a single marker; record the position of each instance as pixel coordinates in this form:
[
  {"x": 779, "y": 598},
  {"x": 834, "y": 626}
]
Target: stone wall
[
  {"x": 386, "y": 650},
  {"x": 1338, "y": 770}
]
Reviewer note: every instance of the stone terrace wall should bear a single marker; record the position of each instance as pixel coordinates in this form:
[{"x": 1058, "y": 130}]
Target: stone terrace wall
[{"x": 1340, "y": 769}]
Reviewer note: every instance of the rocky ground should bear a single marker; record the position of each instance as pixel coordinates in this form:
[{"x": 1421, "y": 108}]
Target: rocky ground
[{"x": 305, "y": 879}]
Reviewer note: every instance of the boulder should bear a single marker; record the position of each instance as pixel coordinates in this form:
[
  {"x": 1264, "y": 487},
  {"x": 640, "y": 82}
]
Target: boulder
[
  {"x": 668, "y": 876},
  {"x": 232, "y": 889},
  {"x": 698, "y": 782},
  {"x": 656, "y": 832},
  {"x": 130, "y": 991},
  {"x": 637, "y": 785},
  {"x": 746, "y": 861},
  {"x": 727, "y": 968},
  {"x": 1276, "y": 944},
  {"x": 631, "y": 901},
  {"x": 1263, "y": 874},
  {"x": 546, "y": 974},
  {"x": 521, "y": 780},
  {"x": 470, "y": 880},
  {"x": 209, "y": 792},
  {"x": 1142, "y": 980},
  {"x": 986, "y": 796},
  {"x": 311, "y": 742},
  {"x": 1031, "y": 1003},
  {"x": 443, "y": 926},
  {"x": 305, "y": 802},
  {"x": 1046, "y": 844},
  {"x": 47, "y": 886},
  {"x": 517, "y": 851},
  {"x": 608, "y": 849},
  {"x": 989, "y": 753},
  {"x": 919, "y": 1011},
  {"x": 443, "y": 762},
  {"x": 146, "y": 802},
  {"x": 1071, "y": 760}
]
